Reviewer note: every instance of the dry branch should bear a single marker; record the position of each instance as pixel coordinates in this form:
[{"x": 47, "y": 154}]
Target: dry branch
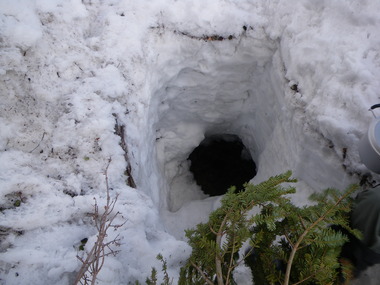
[{"x": 94, "y": 261}]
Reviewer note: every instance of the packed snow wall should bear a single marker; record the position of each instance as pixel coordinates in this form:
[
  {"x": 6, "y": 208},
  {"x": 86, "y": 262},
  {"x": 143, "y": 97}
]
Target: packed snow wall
[{"x": 200, "y": 88}]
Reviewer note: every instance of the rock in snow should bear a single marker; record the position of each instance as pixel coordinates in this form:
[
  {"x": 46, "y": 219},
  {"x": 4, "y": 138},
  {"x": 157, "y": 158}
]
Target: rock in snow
[{"x": 292, "y": 79}]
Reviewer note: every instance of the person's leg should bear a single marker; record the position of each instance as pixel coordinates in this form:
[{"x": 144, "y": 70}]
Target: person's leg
[{"x": 365, "y": 217}]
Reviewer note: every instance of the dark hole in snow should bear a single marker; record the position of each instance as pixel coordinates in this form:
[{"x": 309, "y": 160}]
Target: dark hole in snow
[{"x": 221, "y": 161}]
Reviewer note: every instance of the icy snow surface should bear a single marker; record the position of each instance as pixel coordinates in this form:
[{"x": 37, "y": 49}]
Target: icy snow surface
[{"x": 293, "y": 79}]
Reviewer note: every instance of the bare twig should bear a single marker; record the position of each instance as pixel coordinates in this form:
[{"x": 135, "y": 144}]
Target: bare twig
[
  {"x": 43, "y": 135},
  {"x": 94, "y": 261}
]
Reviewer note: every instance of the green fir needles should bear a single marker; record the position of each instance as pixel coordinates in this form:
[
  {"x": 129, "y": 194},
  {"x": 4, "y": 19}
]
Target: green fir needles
[{"x": 289, "y": 244}]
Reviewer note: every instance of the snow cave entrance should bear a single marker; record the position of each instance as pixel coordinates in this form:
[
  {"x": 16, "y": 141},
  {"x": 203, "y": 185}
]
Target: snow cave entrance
[
  {"x": 234, "y": 92},
  {"x": 221, "y": 161},
  {"x": 213, "y": 99},
  {"x": 228, "y": 105}
]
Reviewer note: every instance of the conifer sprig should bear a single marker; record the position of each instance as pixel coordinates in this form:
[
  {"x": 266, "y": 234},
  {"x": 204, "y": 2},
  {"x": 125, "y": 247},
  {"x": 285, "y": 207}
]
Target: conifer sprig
[
  {"x": 332, "y": 205},
  {"x": 216, "y": 244},
  {"x": 288, "y": 243}
]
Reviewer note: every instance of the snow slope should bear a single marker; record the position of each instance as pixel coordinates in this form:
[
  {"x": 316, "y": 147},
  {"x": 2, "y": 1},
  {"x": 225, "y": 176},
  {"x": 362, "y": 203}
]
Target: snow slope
[{"x": 294, "y": 79}]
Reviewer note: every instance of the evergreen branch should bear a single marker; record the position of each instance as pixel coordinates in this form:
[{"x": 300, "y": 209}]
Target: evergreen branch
[
  {"x": 231, "y": 267},
  {"x": 297, "y": 245},
  {"x": 307, "y": 231},
  {"x": 212, "y": 230},
  {"x": 208, "y": 281},
  {"x": 302, "y": 222},
  {"x": 308, "y": 247},
  {"x": 303, "y": 246},
  {"x": 308, "y": 277},
  {"x": 246, "y": 255},
  {"x": 218, "y": 261},
  {"x": 288, "y": 239}
]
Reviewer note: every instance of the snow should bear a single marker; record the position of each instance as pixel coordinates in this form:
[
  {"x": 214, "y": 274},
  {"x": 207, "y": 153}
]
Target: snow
[{"x": 294, "y": 82}]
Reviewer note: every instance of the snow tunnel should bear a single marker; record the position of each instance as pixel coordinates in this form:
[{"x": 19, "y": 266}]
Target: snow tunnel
[
  {"x": 201, "y": 92},
  {"x": 226, "y": 101}
]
